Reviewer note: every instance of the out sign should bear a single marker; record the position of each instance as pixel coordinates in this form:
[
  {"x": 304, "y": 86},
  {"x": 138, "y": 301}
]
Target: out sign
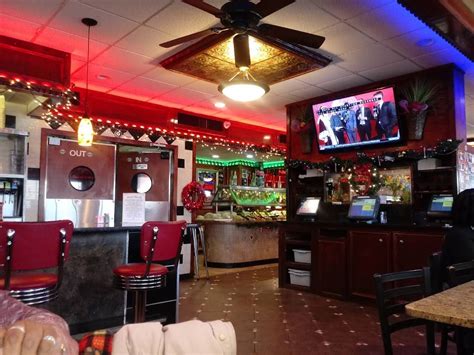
[{"x": 78, "y": 153}]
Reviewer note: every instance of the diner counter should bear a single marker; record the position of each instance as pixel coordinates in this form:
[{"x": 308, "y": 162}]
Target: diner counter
[
  {"x": 107, "y": 229},
  {"x": 240, "y": 243}
]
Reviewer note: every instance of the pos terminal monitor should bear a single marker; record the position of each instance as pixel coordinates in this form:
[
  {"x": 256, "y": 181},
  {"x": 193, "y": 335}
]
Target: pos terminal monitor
[
  {"x": 308, "y": 207},
  {"x": 364, "y": 208},
  {"x": 440, "y": 206}
]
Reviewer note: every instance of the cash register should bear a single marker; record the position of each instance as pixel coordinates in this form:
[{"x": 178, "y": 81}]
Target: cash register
[
  {"x": 308, "y": 208},
  {"x": 364, "y": 209}
]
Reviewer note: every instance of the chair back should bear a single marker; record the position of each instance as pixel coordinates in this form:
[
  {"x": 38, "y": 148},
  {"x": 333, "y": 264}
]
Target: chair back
[
  {"x": 436, "y": 271},
  {"x": 160, "y": 241},
  {"x": 460, "y": 273},
  {"x": 34, "y": 245},
  {"x": 391, "y": 301}
]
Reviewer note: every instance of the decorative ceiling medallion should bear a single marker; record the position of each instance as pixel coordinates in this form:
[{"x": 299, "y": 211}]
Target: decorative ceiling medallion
[{"x": 212, "y": 59}]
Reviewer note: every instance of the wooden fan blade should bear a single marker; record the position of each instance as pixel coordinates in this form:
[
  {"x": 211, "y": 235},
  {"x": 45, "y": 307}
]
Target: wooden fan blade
[
  {"x": 188, "y": 38},
  {"x": 204, "y": 7},
  {"x": 291, "y": 36},
  {"x": 267, "y": 7},
  {"x": 241, "y": 51}
]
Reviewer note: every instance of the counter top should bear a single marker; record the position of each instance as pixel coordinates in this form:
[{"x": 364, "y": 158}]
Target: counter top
[
  {"x": 239, "y": 223},
  {"x": 454, "y": 306},
  {"x": 106, "y": 229},
  {"x": 349, "y": 224}
]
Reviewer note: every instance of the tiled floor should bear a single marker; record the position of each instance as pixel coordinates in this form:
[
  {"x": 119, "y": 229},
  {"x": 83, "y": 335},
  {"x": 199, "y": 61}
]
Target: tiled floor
[{"x": 269, "y": 320}]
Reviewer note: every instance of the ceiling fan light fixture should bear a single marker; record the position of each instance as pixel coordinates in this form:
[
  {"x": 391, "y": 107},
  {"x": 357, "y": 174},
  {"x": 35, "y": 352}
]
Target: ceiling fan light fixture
[
  {"x": 243, "y": 90},
  {"x": 243, "y": 87}
]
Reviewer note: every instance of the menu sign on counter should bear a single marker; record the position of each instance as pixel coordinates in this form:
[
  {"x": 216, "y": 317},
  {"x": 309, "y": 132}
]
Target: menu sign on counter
[{"x": 133, "y": 209}]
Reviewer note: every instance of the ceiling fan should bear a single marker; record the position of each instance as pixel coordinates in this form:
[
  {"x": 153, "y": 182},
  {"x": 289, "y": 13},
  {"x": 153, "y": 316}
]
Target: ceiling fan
[{"x": 242, "y": 17}]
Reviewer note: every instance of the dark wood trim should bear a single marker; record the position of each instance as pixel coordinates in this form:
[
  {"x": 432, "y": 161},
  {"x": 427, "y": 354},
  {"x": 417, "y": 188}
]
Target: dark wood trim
[{"x": 244, "y": 264}]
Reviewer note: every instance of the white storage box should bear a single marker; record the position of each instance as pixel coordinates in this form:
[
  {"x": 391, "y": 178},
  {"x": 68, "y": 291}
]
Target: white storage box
[
  {"x": 302, "y": 256},
  {"x": 299, "y": 277}
]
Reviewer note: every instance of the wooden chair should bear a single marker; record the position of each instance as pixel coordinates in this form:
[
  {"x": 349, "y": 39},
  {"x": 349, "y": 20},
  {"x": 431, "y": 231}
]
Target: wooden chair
[
  {"x": 159, "y": 242},
  {"x": 460, "y": 273},
  {"x": 26, "y": 250},
  {"x": 391, "y": 302}
]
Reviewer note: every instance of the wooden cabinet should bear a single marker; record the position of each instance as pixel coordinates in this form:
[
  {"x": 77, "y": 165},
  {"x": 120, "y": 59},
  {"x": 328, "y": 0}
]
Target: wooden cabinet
[
  {"x": 413, "y": 250},
  {"x": 369, "y": 253},
  {"x": 295, "y": 237},
  {"x": 345, "y": 259},
  {"x": 331, "y": 273}
]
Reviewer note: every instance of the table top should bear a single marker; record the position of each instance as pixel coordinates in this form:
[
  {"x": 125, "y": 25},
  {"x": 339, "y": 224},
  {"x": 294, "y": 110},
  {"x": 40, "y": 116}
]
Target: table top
[{"x": 453, "y": 306}]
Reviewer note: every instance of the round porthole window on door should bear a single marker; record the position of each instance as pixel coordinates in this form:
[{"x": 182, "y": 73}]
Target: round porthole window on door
[
  {"x": 141, "y": 183},
  {"x": 81, "y": 178}
]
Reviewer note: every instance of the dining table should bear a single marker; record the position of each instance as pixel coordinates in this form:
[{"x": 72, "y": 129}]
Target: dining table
[{"x": 454, "y": 306}]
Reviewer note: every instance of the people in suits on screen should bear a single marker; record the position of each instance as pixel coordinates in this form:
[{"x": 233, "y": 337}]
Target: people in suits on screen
[
  {"x": 386, "y": 116},
  {"x": 364, "y": 117},
  {"x": 350, "y": 124},
  {"x": 326, "y": 134}
]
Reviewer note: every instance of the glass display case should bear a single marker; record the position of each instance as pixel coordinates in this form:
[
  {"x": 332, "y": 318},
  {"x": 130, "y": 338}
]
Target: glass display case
[{"x": 246, "y": 203}]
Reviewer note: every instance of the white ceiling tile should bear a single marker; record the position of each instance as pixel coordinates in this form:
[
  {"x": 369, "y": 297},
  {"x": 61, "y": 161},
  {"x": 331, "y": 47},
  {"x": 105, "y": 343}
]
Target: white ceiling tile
[
  {"x": 309, "y": 93},
  {"x": 437, "y": 58},
  {"x": 145, "y": 40},
  {"x": 110, "y": 78},
  {"x": 109, "y": 29},
  {"x": 390, "y": 70},
  {"x": 302, "y": 15},
  {"x": 342, "y": 38},
  {"x": 199, "y": 110},
  {"x": 344, "y": 83},
  {"x": 38, "y": 11},
  {"x": 407, "y": 44},
  {"x": 67, "y": 42},
  {"x": 17, "y": 28},
  {"x": 345, "y": 9},
  {"x": 203, "y": 86},
  {"x": 180, "y": 19},
  {"x": 167, "y": 76},
  {"x": 126, "y": 61},
  {"x": 372, "y": 56},
  {"x": 184, "y": 96},
  {"x": 328, "y": 73},
  {"x": 386, "y": 22},
  {"x": 76, "y": 63},
  {"x": 139, "y": 11},
  {"x": 145, "y": 88},
  {"x": 168, "y": 103},
  {"x": 288, "y": 86}
]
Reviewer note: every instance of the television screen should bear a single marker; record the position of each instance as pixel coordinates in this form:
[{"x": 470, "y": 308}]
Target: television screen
[
  {"x": 364, "y": 208},
  {"x": 308, "y": 206},
  {"x": 368, "y": 118},
  {"x": 441, "y": 205}
]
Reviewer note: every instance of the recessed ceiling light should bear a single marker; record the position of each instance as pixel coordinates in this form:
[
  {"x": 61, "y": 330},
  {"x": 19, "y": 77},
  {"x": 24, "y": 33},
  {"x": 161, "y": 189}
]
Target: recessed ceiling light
[
  {"x": 425, "y": 42},
  {"x": 102, "y": 77},
  {"x": 215, "y": 156},
  {"x": 249, "y": 156},
  {"x": 219, "y": 104},
  {"x": 267, "y": 137}
]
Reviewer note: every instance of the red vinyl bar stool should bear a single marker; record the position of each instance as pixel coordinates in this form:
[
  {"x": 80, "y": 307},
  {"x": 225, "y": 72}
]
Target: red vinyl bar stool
[
  {"x": 26, "y": 250},
  {"x": 159, "y": 242}
]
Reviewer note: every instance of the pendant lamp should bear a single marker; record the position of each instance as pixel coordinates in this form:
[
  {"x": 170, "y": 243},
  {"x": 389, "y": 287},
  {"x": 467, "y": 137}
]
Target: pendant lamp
[{"x": 85, "y": 132}]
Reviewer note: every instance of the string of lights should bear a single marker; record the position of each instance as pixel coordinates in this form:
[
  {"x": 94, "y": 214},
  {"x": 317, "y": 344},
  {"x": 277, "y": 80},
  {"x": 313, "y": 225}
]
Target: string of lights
[{"x": 57, "y": 112}]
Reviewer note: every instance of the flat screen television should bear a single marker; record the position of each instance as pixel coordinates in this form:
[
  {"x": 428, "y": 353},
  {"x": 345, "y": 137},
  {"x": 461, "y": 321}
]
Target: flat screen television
[
  {"x": 440, "y": 206},
  {"x": 364, "y": 208},
  {"x": 308, "y": 206},
  {"x": 361, "y": 120}
]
